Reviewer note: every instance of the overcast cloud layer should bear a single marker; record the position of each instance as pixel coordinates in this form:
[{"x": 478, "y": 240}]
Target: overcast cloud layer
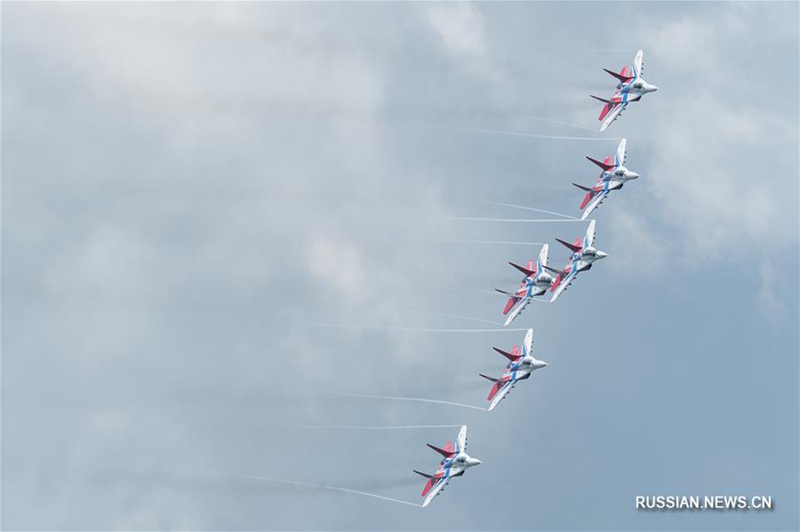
[{"x": 189, "y": 188}]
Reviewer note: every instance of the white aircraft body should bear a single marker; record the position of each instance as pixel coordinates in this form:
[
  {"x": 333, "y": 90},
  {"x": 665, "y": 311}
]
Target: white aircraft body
[
  {"x": 631, "y": 88},
  {"x": 584, "y": 254},
  {"x": 613, "y": 176},
  {"x": 455, "y": 463},
  {"x": 535, "y": 283},
  {"x": 520, "y": 366}
]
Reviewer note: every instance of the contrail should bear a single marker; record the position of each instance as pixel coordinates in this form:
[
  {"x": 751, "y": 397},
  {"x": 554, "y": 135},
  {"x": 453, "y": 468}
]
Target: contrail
[
  {"x": 562, "y": 123},
  {"x": 516, "y": 220},
  {"x": 322, "y": 486},
  {"x": 523, "y": 207},
  {"x": 479, "y": 291},
  {"x": 388, "y": 328},
  {"x": 415, "y": 399},
  {"x": 444, "y": 315},
  {"x": 463, "y": 241},
  {"x": 523, "y": 134},
  {"x": 389, "y": 427},
  {"x": 495, "y": 293}
]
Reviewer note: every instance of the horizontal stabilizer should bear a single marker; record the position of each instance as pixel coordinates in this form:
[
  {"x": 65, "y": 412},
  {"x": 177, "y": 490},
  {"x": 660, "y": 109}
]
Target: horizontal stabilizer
[
  {"x": 557, "y": 272},
  {"x": 602, "y": 165},
  {"x": 509, "y": 294},
  {"x": 574, "y": 248},
  {"x": 509, "y": 356},
  {"x": 422, "y": 474},
  {"x": 526, "y": 271},
  {"x": 446, "y": 454},
  {"x": 587, "y": 189},
  {"x": 489, "y": 378},
  {"x": 620, "y": 77},
  {"x": 600, "y": 99}
]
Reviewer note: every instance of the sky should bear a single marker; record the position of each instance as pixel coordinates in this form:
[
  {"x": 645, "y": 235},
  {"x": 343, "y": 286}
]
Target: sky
[{"x": 190, "y": 191}]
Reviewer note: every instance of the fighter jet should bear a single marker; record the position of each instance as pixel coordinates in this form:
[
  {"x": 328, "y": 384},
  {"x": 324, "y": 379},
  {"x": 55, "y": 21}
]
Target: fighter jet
[
  {"x": 613, "y": 176},
  {"x": 455, "y": 463},
  {"x": 519, "y": 367},
  {"x": 535, "y": 283},
  {"x": 584, "y": 254},
  {"x": 631, "y": 88}
]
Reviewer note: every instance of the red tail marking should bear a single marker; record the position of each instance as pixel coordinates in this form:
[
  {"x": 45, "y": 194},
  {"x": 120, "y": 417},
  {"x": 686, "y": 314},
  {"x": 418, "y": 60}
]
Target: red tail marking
[
  {"x": 624, "y": 72},
  {"x": 450, "y": 448},
  {"x": 515, "y": 350},
  {"x": 556, "y": 283},
  {"x": 586, "y": 199},
  {"x": 607, "y": 161},
  {"x": 509, "y": 305},
  {"x": 428, "y": 486},
  {"x": 494, "y": 390},
  {"x": 606, "y": 109},
  {"x": 578, "y": 242}
]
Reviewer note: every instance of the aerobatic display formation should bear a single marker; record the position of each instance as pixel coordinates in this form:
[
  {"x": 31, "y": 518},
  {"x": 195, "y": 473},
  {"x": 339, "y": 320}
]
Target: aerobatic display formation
[{"x": 539, "y": 277}]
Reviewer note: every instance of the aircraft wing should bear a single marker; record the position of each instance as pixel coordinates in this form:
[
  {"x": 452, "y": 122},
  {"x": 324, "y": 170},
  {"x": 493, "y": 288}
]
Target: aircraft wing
[
  {"x": 590, "y": 234},
  {"x": 501, "y": 393},
  {"x": 543, "y": 257},
  {"x": 527, "y": 344},
  {"x": 461, "y": 441},
  {"x": 619, "y": 157},
  {"x": 594, "y": 203},
  {"x": 613, "y": 114},
  {"x": 517, "y": 310},
  {"x": 637, "y": 63},
  {"x": 435, "y": 489},
  {"x": 564, "y": 284}
]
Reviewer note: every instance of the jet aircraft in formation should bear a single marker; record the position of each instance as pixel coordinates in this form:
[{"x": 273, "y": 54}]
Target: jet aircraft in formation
[
  {"x": 455, "y": 463},
  {"x": 584, "y": 254},
  {"x": 539, "y": 277},
  {"x": 613, "y": 176},
  {"x": 521, "y": 363},
  {"x": 631, "y": 88},
  {"x": 535, "y": 283}
]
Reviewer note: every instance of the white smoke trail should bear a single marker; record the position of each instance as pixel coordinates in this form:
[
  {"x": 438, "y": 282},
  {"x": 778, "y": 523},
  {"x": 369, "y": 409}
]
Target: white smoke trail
[
  {"x": 322, "y": 486},
  {"x": 389, "y": 328},
  {"x": 563, "y": 123},
  {"x": 386, "y": 427},
  {"x": 523, "y": 134},
  {"x": 512, "y": 220},
  {"x": 523, "y": 207},
  {"x": 479, "y": 291},
  {"x": 465, "y": 241},
  {"x": 457, "y": 316},
  {"x": 412, "y": 399}
]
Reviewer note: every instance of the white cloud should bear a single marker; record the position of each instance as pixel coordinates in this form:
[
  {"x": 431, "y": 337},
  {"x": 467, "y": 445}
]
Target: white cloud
[
  {"x": 460, "y": 26},
  {"x": 724, "y": 166}
]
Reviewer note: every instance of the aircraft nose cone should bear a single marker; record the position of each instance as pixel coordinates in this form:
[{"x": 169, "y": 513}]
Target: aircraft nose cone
[
  {"x": 653, "y": 88},
  {"x": 602, "y": 254},
  {"x": 633, "y": 175}
]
